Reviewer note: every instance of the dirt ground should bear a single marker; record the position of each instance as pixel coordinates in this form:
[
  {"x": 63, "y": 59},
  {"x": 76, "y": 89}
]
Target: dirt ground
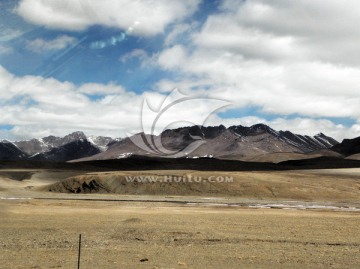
[
  {"x": 44, "y": 234},
  {"x": 162, "y": 231}
]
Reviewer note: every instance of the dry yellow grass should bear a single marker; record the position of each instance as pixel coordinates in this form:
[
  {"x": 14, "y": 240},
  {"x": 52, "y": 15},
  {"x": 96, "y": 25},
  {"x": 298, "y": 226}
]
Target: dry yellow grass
[
  {"x": 311, "y": 185},
  {"x": 44, "y": 234},
  {"x": 134, "y": 234}
]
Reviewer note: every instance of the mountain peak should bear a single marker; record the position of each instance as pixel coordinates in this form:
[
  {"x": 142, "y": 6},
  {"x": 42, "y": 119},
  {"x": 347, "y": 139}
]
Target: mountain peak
[
  {"x": 101, "y": 142},
  {"x": 75, "y": 136},
  {"x": 260, "y": 126},
  {"x": 218, "y": 141},
  {"x": 255, "y": 129}
]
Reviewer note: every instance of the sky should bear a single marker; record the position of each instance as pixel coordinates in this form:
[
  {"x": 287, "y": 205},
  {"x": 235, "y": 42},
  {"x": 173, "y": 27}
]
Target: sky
[{"x": 110, "y": 67}]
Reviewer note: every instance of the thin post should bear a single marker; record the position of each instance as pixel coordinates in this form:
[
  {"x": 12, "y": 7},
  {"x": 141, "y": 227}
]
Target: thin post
[{"x": 79, "y": 251}]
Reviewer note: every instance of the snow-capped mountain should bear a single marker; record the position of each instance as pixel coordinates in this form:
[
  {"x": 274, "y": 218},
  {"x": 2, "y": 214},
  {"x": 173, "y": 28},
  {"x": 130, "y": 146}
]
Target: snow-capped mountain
[
  {"x": 52, "y": 148},
  {"x": 101, "y": 142},
  {"x": 74, "y": 150},
  {"x": 36, "y": 146},
  {"x": 236, "y": 142},
  {"x": 45, "y": 144},
  {"x": 9, "y": 151}
]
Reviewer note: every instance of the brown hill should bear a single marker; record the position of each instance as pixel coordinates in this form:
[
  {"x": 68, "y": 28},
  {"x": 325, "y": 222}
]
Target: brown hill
[{"x": 307, "y": 185}]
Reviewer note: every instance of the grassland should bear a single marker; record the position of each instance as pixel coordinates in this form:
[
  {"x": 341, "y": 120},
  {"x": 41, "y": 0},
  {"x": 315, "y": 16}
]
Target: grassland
[{"x": 153, "y": 226}]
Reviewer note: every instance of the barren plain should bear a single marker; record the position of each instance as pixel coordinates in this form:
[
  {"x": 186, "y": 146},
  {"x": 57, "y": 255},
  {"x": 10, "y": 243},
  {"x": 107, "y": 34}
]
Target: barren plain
[{"x": 285, "y": 219}]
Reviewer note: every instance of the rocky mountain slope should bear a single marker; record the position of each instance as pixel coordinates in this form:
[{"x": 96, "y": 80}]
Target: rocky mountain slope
[
  {"x": 8, "y": 151},
  {"x": 45, "y": 144},
  {"x": 255, "y": 143},
  {"x": 235, "y": 142},
  {"x": 70, "y": 151},
  {"x": 52, "y": 148}
]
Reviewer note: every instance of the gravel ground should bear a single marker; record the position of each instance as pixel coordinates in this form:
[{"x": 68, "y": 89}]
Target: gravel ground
[{"x": 44, "y": 234}]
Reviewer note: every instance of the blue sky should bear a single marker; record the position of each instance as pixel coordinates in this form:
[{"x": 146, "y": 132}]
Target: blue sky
[
  {"x": 96, "y": 54},
  {"x": 70, "y": 65}
]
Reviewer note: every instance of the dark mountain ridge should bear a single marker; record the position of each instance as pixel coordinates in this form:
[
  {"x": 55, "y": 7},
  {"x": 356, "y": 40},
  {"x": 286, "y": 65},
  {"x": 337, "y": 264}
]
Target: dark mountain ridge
[
  {"x": 70, "y": 151},
  {"x": 348, "y": 147},
  {"x": 9, "y": 151},
  {"x": 257, "y": 142},
  {"x": 235, "y": 142}
]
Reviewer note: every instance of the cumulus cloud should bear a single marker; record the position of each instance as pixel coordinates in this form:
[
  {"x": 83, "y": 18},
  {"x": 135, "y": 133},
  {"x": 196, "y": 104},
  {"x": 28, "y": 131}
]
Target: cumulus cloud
[
  {"x": 283, "y": 58},
  {"x": 222, "y": 32},
  {"x": 40, "y": 45},
  {"x": 146, "y": 17},
  {"x": 323, "y": 31},
  {"x": 172, "y": 57},
  {"x": 39, "y": 107},
  {"x": 310, "y": 88},
  {"x": 284, "y": 30}
]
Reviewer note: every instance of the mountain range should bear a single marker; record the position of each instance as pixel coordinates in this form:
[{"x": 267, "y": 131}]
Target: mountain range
[
  {"x": 51, "y": 148},
  {"x": 257, "y": 143}
]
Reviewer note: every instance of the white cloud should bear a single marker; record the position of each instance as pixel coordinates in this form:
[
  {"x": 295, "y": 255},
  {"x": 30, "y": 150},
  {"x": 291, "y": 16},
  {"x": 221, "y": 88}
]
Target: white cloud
[
  {"x": 283, "y": 58},
  {"x": 46, "y": 106},
  {"x": 327, "y": 31},
  {"x": 308, "y": 88},
  {"x": 222, "y": 32},
  {"x": 146, "y": 17},
  {"x": 146, "y": 60},
  {"x": 283, "y": 30},
  {"x": 97, "y": 88},
  {"x": 38, "y": 107},
  {"x": 5, "y": 50},
  {"x": 134, "y": 54},
  {"x": 40, "y": 45},
  {"x": 178, "y": 31},
  {"x": 172, "y": 57}
]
